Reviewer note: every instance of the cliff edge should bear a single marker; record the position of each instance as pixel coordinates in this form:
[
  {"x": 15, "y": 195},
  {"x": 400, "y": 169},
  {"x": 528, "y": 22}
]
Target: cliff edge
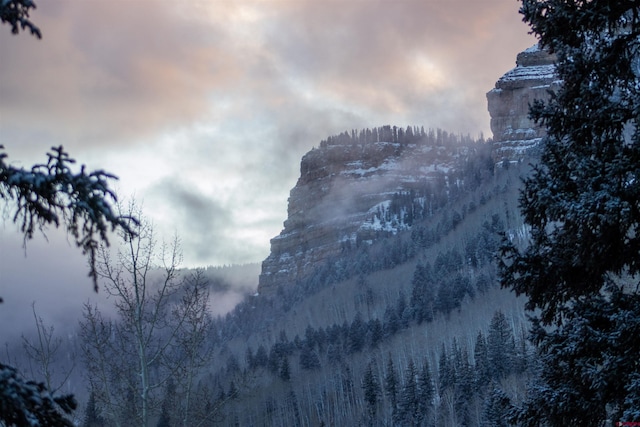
[
  {"x": 508, "y": 103},
  {"x": 357, "y": 187}
]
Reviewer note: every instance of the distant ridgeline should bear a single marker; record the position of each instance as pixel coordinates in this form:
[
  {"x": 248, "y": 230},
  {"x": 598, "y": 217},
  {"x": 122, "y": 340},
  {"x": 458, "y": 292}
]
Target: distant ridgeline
[{"x": 361, "y": 185}]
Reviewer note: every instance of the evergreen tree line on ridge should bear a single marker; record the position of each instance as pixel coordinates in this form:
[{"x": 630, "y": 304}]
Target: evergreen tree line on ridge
[{"x": 399, "y": 135}]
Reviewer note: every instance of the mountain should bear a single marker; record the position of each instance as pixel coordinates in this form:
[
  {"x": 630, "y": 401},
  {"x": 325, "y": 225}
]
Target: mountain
[
  {"x": 384, "y": 274},
  {"x": 379, "y": 303},
  {"x": 359, "y": 186}
]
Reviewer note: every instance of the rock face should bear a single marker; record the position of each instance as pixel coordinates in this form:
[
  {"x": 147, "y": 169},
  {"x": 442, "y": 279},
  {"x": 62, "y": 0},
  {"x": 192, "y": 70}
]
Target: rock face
[
  {"x": 347, "y": 195},
  {"x": 348, "y": 189},
  {"x": 513, "y": 132}
]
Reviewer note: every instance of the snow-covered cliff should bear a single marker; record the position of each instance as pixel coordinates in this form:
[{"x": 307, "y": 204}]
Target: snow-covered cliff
[
  {"x": 360, "y": 186},
  {"x": 513, "y": 132},
  {"x": 352, "y": 191}
]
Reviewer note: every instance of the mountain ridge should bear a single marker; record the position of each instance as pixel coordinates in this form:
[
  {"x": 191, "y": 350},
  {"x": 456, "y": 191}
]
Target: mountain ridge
[
  {"x": 362, "y": 184},
  {"x": 351, "y": 190}
]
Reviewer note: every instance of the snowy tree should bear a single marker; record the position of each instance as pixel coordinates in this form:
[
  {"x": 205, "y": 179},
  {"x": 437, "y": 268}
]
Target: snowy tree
[
  {"x": 500, "y": 350},
  {"x": 425, "y": 394},
  {"x": 285, "y": 370},
  {"x": 496, "y": 408},
  {"x": 16, "y": 14},
  {"x": 45, "y": 195},
  {"x": 92, "y": 417},
  {"x": 481, "y": 359},
  {"x": 52, "y": 194},
  {"x": 376, "y": 332},
  {"x": 582, "y": 202},
  {"x": 590, "y": 359},
  {"x": 408, "y": 404},
  {"x": 371, "y": 387},
  {"x": 464, "y": 390},
  {"x": 356, "y": 334},
  {"x": 391, "y": 323},
  {"x": 261, "y": 357},
  {"x": 422, "y": 294},
  {"x": 309, "y": 359},
  {"x": 446, "y": 371},
  {"x": 27, "y": 403},
  {"x": 391, "y": 385}
]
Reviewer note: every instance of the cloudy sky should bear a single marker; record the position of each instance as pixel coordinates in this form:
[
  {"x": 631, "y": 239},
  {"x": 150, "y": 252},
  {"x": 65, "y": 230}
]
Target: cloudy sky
[{"x": 203, "y": 108}]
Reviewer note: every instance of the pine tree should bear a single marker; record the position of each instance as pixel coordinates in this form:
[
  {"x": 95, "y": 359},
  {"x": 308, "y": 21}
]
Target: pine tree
[
  {"x": 285, "y": 371},
  {"x": 445, "y": 299},
  {"x": 310, "y": 336},
  {"x": 165, "y": 418},
  {"x": 309, "y": 360},
  {"x": 463, "y": 384},
  {"x": 273, "y": 362},
  {"x": 371, "y": 389},
  {"x": 481, "y": 360},
  {"x": 334, "y": 353},
  {"x": 408, "y": 405},
  {"x": 500, "y": 349},
  {"x": 357, "y": 334},
  {"x": 249, "y": 358},
  {"x": 425, "y": 394},
  {"x": 375, "y": 332},
  {"x": 391, "y": 323},
  {"x": 128, "y": 414},
  {"x": 582, "y": 203},
  {"x": 261, "y": 357},
  {"x": 293, "y": 408},
  {"x": 348, "y": 389},
  {"x": 391, "y": 385},
  {"x": 233, "y": 390},
  {"x": 496, "y": 409},
  {"x": 92, "y": 417},
  {"x": 422, "y": 295},
  {"x": 401, "y": 307},
  {"x": 446, "y": 373}
]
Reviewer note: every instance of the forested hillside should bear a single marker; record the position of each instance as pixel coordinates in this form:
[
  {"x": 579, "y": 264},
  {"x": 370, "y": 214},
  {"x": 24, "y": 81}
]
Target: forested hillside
[
  {"x": 404, "y": 325},
  {"x": 407, "y": 329}
]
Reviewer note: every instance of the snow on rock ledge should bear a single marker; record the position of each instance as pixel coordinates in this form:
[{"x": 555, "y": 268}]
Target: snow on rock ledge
[
  {"x": 344, "y": 197},
  {"x": 513, "y": 132}
]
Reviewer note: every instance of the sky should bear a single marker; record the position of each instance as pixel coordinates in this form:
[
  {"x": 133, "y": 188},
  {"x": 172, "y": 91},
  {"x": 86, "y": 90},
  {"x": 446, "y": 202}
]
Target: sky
[{"x": 204, "y": 108}]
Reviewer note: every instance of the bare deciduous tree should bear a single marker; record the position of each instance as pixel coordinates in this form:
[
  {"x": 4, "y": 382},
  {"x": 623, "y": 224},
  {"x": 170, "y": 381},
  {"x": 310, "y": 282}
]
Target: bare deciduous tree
[
  {"x": 159, "y": 331},
  {"x": 45, "y": 352},
  {"x": 193, "y": 349}
]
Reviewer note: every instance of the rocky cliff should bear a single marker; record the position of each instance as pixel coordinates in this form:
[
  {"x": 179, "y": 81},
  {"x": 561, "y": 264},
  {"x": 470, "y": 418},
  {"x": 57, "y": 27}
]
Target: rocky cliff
[
  {"x": 351, "y": 191},
  {"x": 513, "y": 132},
  {"x": 355, "y": 187}
]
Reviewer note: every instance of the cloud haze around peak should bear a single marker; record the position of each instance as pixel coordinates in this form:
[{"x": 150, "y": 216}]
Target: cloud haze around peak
[{"x": 204, "y": 109}]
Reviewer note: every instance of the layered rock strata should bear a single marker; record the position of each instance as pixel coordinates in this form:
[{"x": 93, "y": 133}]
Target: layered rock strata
[
  {"x": 514, "y": 133},
  {"x": 346, "y": 187},
  {"x": 343, "y": 199}
]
